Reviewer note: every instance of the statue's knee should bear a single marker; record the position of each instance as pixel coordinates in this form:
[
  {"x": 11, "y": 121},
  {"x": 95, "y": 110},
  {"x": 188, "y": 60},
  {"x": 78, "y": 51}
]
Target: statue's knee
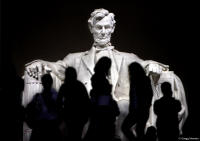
[{"x": 123, "y": 107}]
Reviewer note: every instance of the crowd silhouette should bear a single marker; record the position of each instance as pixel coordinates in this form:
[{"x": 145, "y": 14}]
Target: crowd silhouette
[{"x": 74, "y": 115}]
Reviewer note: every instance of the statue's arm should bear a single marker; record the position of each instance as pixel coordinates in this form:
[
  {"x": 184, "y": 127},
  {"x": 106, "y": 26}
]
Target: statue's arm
[
  {"x": 181, "y": 96},
  {"x": 154, "y": 70},
  {"x": 37, "y": 68},
  {"x": 151, "y": 67}
]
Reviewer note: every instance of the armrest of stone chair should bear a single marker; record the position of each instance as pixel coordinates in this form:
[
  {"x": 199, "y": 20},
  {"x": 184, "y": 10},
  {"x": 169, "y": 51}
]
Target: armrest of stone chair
[
  {"x": 178, "y": 93},
  {"x": 32, "y": 86}
]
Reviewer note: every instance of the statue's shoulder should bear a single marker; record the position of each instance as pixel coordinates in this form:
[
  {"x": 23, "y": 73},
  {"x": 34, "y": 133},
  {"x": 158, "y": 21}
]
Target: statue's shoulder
[
  {"x": 126, "y": 55},
  {"x": 75, "y": 55}
]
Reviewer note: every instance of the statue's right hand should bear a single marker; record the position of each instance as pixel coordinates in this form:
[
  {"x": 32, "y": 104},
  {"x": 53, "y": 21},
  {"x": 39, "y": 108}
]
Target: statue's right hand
[
  {"x": 37, "y": 68},
  {"x": 34, "y": 69}
]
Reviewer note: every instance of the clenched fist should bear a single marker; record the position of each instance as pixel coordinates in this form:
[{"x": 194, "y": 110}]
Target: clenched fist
[{"x": 37, "y": 68}]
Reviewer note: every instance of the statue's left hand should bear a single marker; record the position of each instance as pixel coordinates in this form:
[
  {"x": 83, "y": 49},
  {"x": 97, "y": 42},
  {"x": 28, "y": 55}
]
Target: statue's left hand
[{"x": 155, "y": 68}]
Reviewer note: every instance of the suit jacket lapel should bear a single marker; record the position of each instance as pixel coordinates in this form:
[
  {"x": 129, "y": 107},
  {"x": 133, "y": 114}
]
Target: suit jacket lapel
[
  {"x": 88, "y": 60},
  {"x": 118, "y": 59}
]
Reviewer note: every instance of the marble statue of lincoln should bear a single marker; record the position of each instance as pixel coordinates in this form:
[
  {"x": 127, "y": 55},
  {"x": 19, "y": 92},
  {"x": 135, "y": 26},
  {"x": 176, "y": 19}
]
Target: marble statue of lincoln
[{"x": 102, "y": 25}]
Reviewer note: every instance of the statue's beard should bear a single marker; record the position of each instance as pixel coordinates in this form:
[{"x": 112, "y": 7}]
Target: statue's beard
[{"x": 102, "y": 41}]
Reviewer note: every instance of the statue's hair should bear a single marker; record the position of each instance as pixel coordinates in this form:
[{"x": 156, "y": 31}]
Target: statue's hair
[{"x": 95, "y": 17}]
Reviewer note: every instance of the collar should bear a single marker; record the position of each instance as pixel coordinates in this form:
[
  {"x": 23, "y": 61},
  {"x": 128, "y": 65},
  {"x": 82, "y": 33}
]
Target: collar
[{"x": 107, "y": 47}]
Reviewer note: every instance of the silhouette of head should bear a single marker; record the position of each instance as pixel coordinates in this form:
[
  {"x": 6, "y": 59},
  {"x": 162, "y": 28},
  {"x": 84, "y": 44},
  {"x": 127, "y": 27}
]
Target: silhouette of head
[
  {"x": 103, "y": 66},
  {"x": 70, "y": 74},
  {"x": 166, "y": 89},
  {"x": 47, "y": 81},
  {"x": 136, "y": 72},
  {"x": 151, "y": 133}
]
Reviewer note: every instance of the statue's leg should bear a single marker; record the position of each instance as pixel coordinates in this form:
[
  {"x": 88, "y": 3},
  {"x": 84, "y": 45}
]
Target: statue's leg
[{"x": 124, "y": 110}]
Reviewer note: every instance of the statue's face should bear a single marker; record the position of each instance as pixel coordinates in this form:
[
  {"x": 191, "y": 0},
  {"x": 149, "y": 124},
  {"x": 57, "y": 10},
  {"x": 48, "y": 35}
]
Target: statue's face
[{"x": 102, "y": 31}]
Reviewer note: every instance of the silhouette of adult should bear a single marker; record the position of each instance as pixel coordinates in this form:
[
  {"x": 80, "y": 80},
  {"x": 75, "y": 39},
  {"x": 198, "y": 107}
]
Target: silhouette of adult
[
  {"x": 140, "y": 101},
  {"x": 104, "y": 107},
  {"x": 150, "y": 134},
  {"x": 42, "y": 114},
  {"x": 166, "y": 109},
  {"x": 12, "y": 112},
  {"x": 74, "y": 104},
  {"x": 18, "y": 109}
]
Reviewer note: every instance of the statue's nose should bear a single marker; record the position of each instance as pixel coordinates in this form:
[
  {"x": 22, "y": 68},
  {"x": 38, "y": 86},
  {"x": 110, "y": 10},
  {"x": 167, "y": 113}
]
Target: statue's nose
[{"x": 103, "y": 31}]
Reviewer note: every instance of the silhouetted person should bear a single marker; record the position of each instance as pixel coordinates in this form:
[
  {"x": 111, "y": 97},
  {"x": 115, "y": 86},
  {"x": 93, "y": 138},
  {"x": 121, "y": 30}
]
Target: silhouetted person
[
  {"x": 104, "y": 108},
  {"x": 74, "y": 105},
  {"x": 150, "y": 134},
  {"x": 18, "y": 108},
  {"x": 166, "y": 109},
  {"x": 42, "y": 114},
  {"x": 140, "y": 102},
  {"x": 12, "y": 111}
]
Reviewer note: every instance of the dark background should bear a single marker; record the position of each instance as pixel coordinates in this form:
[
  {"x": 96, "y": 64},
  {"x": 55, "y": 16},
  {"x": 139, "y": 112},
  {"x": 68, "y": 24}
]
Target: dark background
[{"x": 160, "y": 31}]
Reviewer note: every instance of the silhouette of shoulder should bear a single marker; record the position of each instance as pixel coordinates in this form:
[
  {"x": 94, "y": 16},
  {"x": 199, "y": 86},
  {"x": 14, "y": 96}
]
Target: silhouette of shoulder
[{"x": 165, "y": 105}]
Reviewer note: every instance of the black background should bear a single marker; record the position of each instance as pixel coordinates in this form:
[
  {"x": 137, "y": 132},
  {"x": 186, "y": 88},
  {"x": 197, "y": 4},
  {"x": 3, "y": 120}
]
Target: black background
[{"x": 161, "y": 31}]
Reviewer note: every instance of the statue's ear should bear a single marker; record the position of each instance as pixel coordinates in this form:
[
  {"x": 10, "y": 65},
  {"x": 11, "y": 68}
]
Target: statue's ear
[
  {"x": 113, "y": 28},
  {"x": 91, "y": 29}
]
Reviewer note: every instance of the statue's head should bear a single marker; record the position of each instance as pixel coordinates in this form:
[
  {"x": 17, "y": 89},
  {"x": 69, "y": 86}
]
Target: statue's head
[{"x": 101, "y": 25}]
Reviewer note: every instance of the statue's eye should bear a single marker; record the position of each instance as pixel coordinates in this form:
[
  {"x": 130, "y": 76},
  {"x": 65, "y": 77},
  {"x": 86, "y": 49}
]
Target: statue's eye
[
  {"x": 107, "y": 26},
  {"x": 99, "y": 27}
]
